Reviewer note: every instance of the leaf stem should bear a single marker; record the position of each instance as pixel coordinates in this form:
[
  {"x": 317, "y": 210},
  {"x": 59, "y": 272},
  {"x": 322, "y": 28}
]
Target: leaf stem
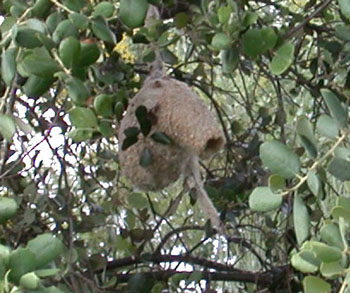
[
  {"x": 303, "y": 179},
  {"x": 58, "y": 4}
]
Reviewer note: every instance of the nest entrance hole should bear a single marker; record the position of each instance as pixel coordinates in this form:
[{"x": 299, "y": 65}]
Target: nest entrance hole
[{"x": 213, "y": 145}]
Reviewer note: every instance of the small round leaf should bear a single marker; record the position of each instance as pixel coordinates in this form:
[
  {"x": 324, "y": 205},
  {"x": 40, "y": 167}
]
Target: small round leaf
[
  {"x": 283, "y": 59},
  {"x": 8, "y": 127},
  {"x": 8, "y": 208},
  {"x": 82, "y": 117},
  {"x": 313, "y": 284},
  {"x": 262, "y": 199},
  {"x": 279, "y": 159}
]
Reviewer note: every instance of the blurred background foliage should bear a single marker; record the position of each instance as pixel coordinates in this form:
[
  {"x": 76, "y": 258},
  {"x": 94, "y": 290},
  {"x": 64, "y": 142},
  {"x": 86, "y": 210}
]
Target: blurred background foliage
[{"x": 275, "y": 73}]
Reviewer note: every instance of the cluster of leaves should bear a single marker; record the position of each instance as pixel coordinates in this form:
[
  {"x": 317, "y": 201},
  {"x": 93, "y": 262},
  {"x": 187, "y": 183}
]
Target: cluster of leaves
[
  {"x": 327, "y": 251},
  {"x": 275, "y": 72},
  {"x": 26, "y": 266}
]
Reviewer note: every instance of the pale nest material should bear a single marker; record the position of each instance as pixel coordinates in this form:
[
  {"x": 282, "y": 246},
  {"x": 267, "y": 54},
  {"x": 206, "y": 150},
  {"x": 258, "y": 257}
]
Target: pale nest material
[{"x": 181, "y": 115}]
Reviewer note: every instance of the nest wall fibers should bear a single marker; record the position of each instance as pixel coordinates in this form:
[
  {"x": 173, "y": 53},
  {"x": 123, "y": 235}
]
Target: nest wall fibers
[{"x": 180, "y": 114}]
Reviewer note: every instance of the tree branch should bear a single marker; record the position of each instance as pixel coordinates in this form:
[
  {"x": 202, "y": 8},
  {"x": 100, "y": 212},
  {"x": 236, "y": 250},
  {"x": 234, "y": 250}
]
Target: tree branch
[
  {"x": 265, "y": 279},
  {"x": 301, "y": 25},
  {"x": 223, "y": 272}
]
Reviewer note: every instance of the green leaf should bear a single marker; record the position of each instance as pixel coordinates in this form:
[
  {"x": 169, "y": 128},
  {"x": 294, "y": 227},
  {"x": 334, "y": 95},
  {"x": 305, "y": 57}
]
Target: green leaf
[
  {"x": 4, "y": 254},
  {"x": 132, "y": 132},
  {"x": 47, "y": 42},
  {"x": 46, "y": 248},
  {"x": 8, "y": 127},
  {"x": 29, "y": 281},
  {"x": 221, "y": 41},
  {"x": 36, "y": 86},
  {"x": 132, "y": 13},
  {"x": 101, "y": 30},
  {"x": 344, "y": 7},
  {"x": 169, "y": 57},
  {"x": 250, "y": 18},
  {"x": 308, "y": 146},
  {"x": 344, "y": 202},
  {"x": 42, "y": 66},
  {"x": 331, "y": 269},
  {"x": 283, "y": 59},
  {"x": 224, "y": 13},
  {"x": 305, "y": 261},
  {"x": 314, "y": 183},
  {"x": 340, "y": 169},
  {"x": 145, "y": 158},
  {"x": 301, "y": 220},
  {"x": 276, "y": 183},
  {"x": 81, "y": 117},
  {"x": 194, "y": 277},
  {"x": 36, "y": 24},
  {"x": 342, "y": 32},
  {"x": 119, "y": 110},
  {"x": 79, "y": 20},
  {"x": 68, "y": 51},
  {"x": 106, "y": 129},
  {"x": 313, "y": 284},
  {"x": 79, "y": 135},
  {"x": 159, "y": 287},
  {"x": 230, "y": 59},
  {"x": 266, "y": 38},
  {"x": 53, "y": 289},
  {"x": 22, "y": 261},
  {"x": 262, "y": 199},
  {"x": 338, "y": 112},
  {"x": 41, "y": 8},
  {"x": 53, "y": 20},
  {"x": 75, "y": 5},
  {"x": 8, "y": 65},
  {"x": 104, "y": 9},
  {"x": 8, "y": 208},
  {"x": 64, "y": 30},
  {"x": 330, "y": 234},
  {"x": 143, "y": 120},
  {"x": 89, "y": 54},
  {"x": 27, "y": 38},
  {"x": 342, "y": 153},
  {"x": 44, "y": 273},
  {"x": 181, "y": 20},
  {"x": 306, "y": 134},
  {"x": 327, "y": 126},
  {"x": 77, "y": 91},
  {"x": 162, "y": 138},
  {"x": 324, "y": 252},
  {"x": 279, "y": 159},
  {"x": 338, "y": 212},
  {"x": 104, "y": 105},
  {"x": 137, "y": 200},
  {"x": 128, "y": 142}
]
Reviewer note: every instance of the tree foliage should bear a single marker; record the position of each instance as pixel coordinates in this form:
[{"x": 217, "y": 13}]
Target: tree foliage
[{"x": 276, "y": 75}]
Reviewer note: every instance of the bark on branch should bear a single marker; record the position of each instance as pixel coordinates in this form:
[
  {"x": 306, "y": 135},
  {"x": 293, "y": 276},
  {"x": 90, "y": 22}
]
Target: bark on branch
[{"x": 222, "y": 272}]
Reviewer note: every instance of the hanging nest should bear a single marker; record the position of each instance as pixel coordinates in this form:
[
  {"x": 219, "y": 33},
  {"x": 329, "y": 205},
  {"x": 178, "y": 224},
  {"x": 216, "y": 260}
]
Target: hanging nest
[{"x": 182, "y": 126}]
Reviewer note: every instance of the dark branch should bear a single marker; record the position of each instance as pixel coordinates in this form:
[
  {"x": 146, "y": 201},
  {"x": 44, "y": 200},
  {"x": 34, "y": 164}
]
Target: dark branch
[
  {"x": 223, "y": 272},
  {"x": 302, "y": 24},
  {"x": 265, "y": 279}
]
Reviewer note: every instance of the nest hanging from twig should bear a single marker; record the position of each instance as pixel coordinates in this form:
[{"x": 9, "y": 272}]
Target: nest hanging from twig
[{"x": 178, "y": 113}]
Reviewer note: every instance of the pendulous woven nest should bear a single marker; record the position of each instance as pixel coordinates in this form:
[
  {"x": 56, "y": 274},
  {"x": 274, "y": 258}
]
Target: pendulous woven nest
[{"x": 179, "y": 113}]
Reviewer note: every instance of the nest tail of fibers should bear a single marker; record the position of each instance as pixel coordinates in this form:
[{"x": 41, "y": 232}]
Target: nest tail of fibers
[{"x": 181, "y": 115}]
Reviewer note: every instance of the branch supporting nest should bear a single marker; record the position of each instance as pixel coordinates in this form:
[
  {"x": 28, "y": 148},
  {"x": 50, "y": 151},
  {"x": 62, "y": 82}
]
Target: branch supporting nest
[
  {"x": 156, "y": 68},
  {"x": 203, "y": 199}
]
